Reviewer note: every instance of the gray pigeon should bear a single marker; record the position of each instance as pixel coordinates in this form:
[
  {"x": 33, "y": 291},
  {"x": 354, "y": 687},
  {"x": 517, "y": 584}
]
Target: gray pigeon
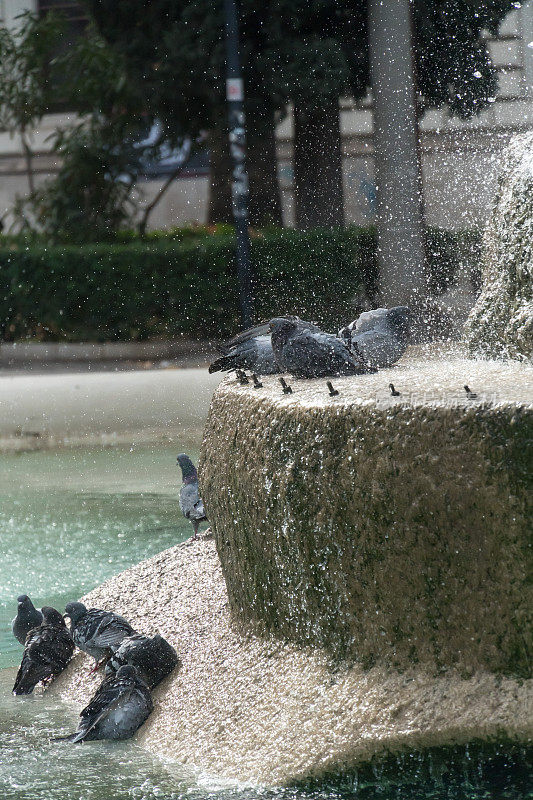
[
  {"x": 191, "y": 504},
  {"x": 379, "y": 336},
  {"x": 254, "y": 354},
  {"x": 117, "y": 709},
  {"x": 48, "y": 649},
  {"x": 152, "y": 656},
  {"x": 312, "y": 354},
  {"x": 27, "y": 618},
  {"x": 252, "y": 350},
  {"x": 97, "y": 632}
]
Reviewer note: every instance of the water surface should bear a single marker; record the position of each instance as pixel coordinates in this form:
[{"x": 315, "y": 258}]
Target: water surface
[{"x": 71, "y": 518}]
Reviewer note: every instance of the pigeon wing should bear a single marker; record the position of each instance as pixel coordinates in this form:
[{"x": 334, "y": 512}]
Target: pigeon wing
[
  {"x": 48, "y": 651},
  {"x": 122, "y": 654},
  {"x": 311, "y": 355},
  {"x": 198, "y": 512},
  {"x": 105, "y": 700},
  {"x": 29, "y": 675},
  {"x": 300, "y": 355},
  {"x": 378, "y": 348},
  {"x": 86, "y": 627},
  {"x": 245, "y": 336},
  {"x": 111, "y": 631},
  {"x": 191, "y": 503}
]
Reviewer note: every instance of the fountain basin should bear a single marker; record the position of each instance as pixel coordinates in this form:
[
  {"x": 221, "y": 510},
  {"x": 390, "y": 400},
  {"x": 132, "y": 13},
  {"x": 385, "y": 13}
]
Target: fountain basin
[
  {"x": 385, "y": 530},
  {"x": 260, "y": 711},
  {"x": 317, "y": 637}
]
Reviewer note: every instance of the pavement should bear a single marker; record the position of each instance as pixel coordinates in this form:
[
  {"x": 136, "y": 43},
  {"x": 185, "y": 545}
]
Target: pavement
[
  {"x": 48, "y": 357},
  {"x": 46, "y": 408}
]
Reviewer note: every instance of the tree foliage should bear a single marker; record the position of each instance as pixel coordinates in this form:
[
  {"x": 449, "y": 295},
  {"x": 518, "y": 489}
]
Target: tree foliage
[
  {"x": 100, "y": 158},
  {"x": 27, "y": 86},
  {"x": 293, "y": 50}
]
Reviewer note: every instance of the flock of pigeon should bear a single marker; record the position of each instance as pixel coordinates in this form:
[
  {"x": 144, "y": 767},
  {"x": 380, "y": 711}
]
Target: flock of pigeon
[
  {"x": 375, "y": 340},
  {"x": 134, "y": 664}
]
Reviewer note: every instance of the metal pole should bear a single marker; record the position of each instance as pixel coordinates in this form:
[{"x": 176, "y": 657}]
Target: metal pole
[
  {"x": 397, "y": 163},
  {"x": 237, "y": 139}
]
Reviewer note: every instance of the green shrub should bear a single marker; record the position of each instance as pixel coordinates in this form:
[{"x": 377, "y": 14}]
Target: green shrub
[{"x": 183, "y": 282}]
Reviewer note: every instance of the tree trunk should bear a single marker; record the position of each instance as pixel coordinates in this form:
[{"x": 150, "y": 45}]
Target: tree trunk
[
  {"x": 317, "y": 162},
  {"x": 28, "y": 157},
  {"x": 219, "y": 207},
  {"x": 261, "y": 164},
  {"x": 265, "y": 197}
]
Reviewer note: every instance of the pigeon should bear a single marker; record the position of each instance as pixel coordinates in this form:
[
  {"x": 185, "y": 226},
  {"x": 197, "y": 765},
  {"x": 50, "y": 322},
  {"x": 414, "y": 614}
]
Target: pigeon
[
  {"x": 117, "y": 709},
  {"x": 379, "y": 336},
  {"x": 255, "y": 354},
  {"x": 191, "y": 504},
  {"x": 27, "y": 618},
  {"x": 312, "y": 354},
  {"x": 48, "y": 649},
  {"x": 153, "y": 657},
  {"x": 97, "y": 632},
  {"x": 252, "y": 350}
]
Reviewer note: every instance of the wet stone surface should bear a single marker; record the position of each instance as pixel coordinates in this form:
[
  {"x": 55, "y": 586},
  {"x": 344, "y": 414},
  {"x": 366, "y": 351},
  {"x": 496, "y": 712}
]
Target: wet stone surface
[
  {"x": 255, "y": 709},
  {"x": 387, "y": 529}
]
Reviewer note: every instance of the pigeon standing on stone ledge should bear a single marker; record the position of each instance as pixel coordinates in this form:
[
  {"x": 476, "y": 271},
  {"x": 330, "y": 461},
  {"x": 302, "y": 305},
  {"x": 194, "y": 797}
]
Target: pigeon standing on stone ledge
[
  {"x": 252, "y": 350},
  {"x": 117, "y": 709},
  {"x": 312, "y": 353},
  {"x": 379, "y": 336},
  {"x": 48, "y": 650},
  {"x": 191, "y": 504},
  {"x": 27, "y": 618},
  {"x": 98, "y": 633},
  {"x": 152, "y": 656}
]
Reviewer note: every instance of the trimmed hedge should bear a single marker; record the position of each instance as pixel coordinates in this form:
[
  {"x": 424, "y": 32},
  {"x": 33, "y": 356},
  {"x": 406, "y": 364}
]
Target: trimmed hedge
[{"x": 167, "y": 286}]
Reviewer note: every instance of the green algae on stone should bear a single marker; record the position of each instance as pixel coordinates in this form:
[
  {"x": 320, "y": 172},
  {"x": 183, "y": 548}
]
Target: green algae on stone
[
  {"x": 501, "y": 322},
  {"x": 384, "y": 532}
]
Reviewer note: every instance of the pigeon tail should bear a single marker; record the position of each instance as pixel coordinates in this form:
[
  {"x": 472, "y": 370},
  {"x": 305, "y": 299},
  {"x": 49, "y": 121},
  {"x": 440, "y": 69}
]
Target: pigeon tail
[
  {"x": 226, "y": 363},
  {"x": 72, "y": 737}
]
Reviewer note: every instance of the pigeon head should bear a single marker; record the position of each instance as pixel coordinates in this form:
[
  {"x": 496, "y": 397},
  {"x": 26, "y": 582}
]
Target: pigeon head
[
  {"x": 126, "y": 671},
  {"x": 52, "y": 617},
  {"x": 188, "y": 470},
  {"x": 281, "y": 329},
  {"x": 24, "y": 601},
  {"x": 399, "y": 317},
  {"x": 75, "y": 611}
]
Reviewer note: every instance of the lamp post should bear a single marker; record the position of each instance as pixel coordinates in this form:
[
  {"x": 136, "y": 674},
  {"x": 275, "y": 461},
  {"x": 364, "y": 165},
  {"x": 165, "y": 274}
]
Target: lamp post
[
  {"x": 397, "y": 165},
  {"x": 237, "y": 140}
]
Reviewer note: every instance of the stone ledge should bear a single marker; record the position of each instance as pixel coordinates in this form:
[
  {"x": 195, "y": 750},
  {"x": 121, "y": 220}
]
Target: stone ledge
[
  {"x": 387, "y": 530},
  {"x": 238, "y": 706}
]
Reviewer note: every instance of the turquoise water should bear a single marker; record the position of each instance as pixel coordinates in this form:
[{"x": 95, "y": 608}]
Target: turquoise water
[{"x": 68, "y": 520}]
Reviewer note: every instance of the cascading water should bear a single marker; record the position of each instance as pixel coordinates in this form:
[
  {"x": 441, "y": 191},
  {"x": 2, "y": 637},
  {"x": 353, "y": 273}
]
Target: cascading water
[{"x": 501, "y": 322}]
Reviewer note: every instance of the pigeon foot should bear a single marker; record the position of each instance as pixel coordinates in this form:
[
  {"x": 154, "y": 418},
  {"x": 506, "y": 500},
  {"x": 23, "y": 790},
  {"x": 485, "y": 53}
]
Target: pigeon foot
[{"x": 99, "y": 664}]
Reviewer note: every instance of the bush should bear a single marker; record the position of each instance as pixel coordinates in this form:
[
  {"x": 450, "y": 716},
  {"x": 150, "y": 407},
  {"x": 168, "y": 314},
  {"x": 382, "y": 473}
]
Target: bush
[{"x": 183, "y": 283}]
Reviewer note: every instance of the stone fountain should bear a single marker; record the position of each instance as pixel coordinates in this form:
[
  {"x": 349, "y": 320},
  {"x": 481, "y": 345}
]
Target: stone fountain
[
  {"x": 368, "y": 590},
  {"x": 501, "y": 322}
]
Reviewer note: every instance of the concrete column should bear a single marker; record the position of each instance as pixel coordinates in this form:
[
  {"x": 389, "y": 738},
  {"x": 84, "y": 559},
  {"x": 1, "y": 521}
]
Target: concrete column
[
  {"x": 526, "y": 13},
  {"x": 397, "y": 163}
]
